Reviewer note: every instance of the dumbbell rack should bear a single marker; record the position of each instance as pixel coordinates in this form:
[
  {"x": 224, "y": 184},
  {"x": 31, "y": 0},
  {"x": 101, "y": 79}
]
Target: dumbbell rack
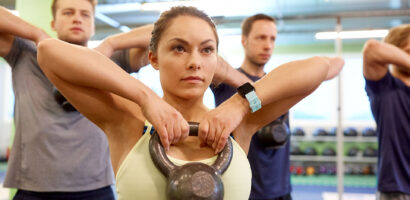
[{"x": 354, "y": 167}]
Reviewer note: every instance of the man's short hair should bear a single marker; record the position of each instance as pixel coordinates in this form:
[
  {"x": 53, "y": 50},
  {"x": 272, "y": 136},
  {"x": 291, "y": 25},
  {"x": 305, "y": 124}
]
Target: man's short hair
[
  {"x": 248, "y": 22},
  {"x": 54, "y": 6},
  {"x": 398, "y": 36}
]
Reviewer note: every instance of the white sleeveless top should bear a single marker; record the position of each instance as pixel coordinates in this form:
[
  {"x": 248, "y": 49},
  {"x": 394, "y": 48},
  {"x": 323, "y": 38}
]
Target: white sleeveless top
[{"x": 138, "y": 177}]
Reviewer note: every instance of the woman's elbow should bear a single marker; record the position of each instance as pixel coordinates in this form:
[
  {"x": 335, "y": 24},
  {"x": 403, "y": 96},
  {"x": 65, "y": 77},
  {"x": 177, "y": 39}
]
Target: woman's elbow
[
  {"x": 370, "y": 48},
  {"x": 44, "y": 50}
]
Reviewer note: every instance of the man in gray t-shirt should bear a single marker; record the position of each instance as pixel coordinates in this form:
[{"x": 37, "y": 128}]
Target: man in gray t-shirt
[{"x": 56, "y": 153}]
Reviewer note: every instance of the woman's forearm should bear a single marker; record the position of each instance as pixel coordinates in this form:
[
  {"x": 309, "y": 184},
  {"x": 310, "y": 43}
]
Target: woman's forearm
[
  {"x": 294, "y": 79},
  {"x": 85, "y": 67},
  {"x": 13, "y": 25},
  {"x": 377, "y": 53}
]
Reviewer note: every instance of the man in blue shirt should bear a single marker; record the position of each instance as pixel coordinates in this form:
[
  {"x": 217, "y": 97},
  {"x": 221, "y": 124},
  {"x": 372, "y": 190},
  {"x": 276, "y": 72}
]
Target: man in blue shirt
[
  {"x": 270, "y": 167},
  {"x": 386, "y": 68}
]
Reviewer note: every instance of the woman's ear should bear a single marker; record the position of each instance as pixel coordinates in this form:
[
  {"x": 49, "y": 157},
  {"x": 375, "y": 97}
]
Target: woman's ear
[{"x": 153, "y": 60}]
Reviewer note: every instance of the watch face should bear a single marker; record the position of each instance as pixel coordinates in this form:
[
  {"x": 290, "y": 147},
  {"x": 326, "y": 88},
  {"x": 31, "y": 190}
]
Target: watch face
[{"x": 245, "y": 88}]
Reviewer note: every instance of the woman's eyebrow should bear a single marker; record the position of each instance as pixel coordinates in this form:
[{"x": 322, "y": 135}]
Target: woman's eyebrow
[{"x": 186, "y": 42}]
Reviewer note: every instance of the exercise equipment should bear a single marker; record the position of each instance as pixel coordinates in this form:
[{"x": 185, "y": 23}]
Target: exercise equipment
[
  {"x": 369, "y": 132},
  {"x": 350, "y": 132},
  {"x": 370, "y": 152},
  {"x": 332, "y": 132},
  {"x": 320, "y": 132},
  {"x": 193, "y": 180},
  {"x": 62, "y": 101},
  {"x": 310, "y": 151},
  {"x": 310, "y": 170},
  {"x": 298, "y": 132},
  {"x": 353, "y": 151},
  {"x": 276, "y": 134},
  {"x": 329, "y": 151},
  {"x": 295, "y": 150},
  {"x": 300, "y": 170}
]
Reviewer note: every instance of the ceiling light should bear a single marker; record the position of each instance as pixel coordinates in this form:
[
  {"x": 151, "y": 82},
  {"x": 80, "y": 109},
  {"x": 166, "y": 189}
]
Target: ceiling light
[{"x": 379, "y": 33}]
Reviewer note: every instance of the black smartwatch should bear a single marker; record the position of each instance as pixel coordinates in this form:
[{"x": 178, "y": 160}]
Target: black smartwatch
[{"x": 247, "y": 91}]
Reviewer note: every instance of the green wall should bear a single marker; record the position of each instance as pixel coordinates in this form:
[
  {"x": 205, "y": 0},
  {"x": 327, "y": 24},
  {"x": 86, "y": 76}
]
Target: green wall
[{"x": 36, "y": 12}]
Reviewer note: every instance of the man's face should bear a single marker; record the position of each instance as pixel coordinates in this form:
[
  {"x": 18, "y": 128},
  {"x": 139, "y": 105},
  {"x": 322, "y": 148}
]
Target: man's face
[
  {"x": 74, "y": 21},
  {"x": 260, "y": 42}
]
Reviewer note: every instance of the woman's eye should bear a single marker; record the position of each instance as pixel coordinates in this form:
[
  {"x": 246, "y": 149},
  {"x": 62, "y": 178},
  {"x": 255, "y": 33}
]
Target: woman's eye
[
  {"x": 179, "y": 49},
  {"x": 208, "y": 50}
]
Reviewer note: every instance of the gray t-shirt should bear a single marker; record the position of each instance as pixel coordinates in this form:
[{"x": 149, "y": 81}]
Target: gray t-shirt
[{"x": 53, "y": 150}]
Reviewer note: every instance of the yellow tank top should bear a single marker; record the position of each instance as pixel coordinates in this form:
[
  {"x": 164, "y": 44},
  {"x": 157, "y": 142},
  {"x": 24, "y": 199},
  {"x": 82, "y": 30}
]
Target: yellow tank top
[{"x": 138, "y": 178}]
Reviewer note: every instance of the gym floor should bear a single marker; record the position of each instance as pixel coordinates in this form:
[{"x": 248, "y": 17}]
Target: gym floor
[{"x": 304, "y": 187}]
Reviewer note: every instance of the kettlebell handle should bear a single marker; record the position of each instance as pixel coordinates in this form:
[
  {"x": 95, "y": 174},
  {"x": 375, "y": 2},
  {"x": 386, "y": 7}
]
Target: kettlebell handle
[
  {"x": 162, "y": 162},
  {"x": 193, "y": 128}
]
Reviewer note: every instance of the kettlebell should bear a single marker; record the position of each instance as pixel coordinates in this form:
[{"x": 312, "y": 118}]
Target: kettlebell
[
  {"x": 193, "y": 180},
  {"x": 275, "y": 134},
  {"x": 62, "y": 101}
]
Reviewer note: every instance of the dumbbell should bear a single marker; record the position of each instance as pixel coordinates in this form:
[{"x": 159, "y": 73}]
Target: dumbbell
[
  {"x": 350, "y": 132},
  {"x": 193, "y": 180},
  {"x": 62, "y": 101}
]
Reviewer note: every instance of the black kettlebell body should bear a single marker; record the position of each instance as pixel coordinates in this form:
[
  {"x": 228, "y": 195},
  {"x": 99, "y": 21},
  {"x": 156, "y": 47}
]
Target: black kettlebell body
[
  {"x": 275, "y": 134},
  {"x": 62, "y": 101},
  {"x": 193, "y": 180}
]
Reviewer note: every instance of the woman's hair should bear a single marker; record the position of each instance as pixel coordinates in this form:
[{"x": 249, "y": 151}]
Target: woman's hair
[
  {"x": 166, "y": 18},
  {"x": 398, "y": 36},
  {"x": 248, "y": 22}
]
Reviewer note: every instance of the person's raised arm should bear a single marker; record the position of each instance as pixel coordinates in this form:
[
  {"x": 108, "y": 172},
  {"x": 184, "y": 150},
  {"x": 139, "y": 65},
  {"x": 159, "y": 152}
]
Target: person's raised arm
[
  {"x": 137, "y": 40},
  {"x": 86, "y": 68},
  {"x": 225, "y": 73},
  {"x": 11, "y": 25},
  {"x": 378, "y": 55},
  {"x": 278, "y": 91}
]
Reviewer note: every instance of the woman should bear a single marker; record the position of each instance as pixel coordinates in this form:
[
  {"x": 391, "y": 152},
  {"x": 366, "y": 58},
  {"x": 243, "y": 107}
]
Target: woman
[{"x": 184, "y": 50}]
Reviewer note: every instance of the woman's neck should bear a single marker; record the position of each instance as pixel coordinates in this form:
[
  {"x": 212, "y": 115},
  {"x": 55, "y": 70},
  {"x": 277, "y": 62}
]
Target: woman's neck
[{"x": 191, "y": 109}]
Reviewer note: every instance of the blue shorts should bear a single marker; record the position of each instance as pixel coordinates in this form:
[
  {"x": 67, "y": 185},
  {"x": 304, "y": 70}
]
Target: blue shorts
[{"x": 105, "y": 193}]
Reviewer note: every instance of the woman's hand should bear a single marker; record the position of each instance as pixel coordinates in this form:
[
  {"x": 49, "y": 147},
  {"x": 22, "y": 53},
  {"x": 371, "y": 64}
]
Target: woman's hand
[
  {"x": 40, "y": 36},
  {"x": 218, "y": 124},
  {"x": 167, "y": 121},
  {"x": 105, "y": 48}
]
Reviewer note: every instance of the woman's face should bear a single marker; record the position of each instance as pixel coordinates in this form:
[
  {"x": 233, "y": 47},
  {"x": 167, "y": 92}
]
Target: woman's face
[{"x": 186, "y": 57}]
